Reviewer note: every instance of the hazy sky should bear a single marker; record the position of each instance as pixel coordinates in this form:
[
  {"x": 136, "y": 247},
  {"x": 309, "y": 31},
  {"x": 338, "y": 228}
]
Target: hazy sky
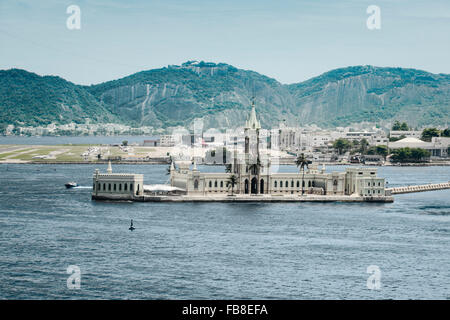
[{"x": 288, "y": 40}]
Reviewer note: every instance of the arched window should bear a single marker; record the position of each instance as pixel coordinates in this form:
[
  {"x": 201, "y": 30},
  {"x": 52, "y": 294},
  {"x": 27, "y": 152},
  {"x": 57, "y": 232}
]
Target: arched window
[
  {"x": 298, "y": 184},
  {"x": 120, "y": 187},
  {"x": 303, "y": 183},
  {"x": 292, "y": 183},
  {"x": 125, "y": 187},
  {"x": 309, "y": 184},
  {"x": 109, "y": 186},
  {"x": 215, "y": 184},
  {"x": 335, "y": 182},
  {"x": 195, "y": 184},
  {"x": 281, "y": 184},
  {"x": 131, "y": 187},
  {"x": 275, "y": 184},
  {"x": 221, "y": 184},
  {"x": 104, "y": 187},
  {"x": 210, "y": 184},
  {"x": 114, "y": 187}
]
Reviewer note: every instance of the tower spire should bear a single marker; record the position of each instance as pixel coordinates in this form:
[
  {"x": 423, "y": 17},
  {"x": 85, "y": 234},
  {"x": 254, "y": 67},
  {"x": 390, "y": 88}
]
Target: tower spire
[{"x": 252, "y": 122}]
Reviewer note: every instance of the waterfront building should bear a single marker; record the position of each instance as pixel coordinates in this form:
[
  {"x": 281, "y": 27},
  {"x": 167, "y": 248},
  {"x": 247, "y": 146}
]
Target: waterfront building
[
  {"x": 438, "y": 146},
  {"x": 117, "y": 186},
  {"x": 253, "y": 174},
  {"x": 405, "y": 134}
]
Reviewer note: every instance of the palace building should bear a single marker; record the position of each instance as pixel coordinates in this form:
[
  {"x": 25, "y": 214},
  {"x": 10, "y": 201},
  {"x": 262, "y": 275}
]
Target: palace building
[{"x": 250, "y": 173}]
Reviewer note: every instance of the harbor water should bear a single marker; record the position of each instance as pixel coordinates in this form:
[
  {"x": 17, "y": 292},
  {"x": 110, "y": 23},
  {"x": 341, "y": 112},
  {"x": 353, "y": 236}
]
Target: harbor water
[{"x": 218, "y": 250}]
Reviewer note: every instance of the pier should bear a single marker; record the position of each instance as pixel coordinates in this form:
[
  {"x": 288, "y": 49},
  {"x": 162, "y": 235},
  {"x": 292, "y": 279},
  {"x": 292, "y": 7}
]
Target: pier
[
  {"x": 249, "y": 198},
  {"x": 419, "y": 188}
]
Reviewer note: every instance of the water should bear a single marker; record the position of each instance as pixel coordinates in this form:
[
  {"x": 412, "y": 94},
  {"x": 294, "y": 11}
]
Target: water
[
  {"x": 49, "y": 140},
  {"x": 222, "y": 250}
]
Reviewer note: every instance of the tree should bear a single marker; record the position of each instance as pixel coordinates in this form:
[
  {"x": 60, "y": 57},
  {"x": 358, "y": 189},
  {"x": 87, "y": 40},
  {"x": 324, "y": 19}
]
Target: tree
[
  {"x": 409, "y": 154},
  {"x": 445, "y": 133},
  {"x": 228, "y": 168},
  {"x": 428, "y": 133},
  {"x": 364, "y": 144},
  {"x": 381, "y": 150},
  {"x": 404, "y": 127},
  {"x": 301, "y": 163},
  {"x": 124, "y": 143},
  {"x": 232, "y": 181},
  {"x": 396, "y": 126},
  {"x": 341, "y": 145}
]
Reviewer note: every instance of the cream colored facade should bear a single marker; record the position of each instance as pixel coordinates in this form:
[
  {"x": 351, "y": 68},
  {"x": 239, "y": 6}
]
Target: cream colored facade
[
  {"x": 252, "y": 170},
  {"x": 117, "y": 186}
]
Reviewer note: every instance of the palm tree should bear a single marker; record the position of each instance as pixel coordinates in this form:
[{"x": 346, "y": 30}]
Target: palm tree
[
  {"x": 301, "y": 163},
  {"x": 228, "y": 168},
  {"x": 232, "y": 181}
]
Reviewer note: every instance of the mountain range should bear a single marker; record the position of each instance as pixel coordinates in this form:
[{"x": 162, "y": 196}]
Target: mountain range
[{"x": 221, "y": 94}]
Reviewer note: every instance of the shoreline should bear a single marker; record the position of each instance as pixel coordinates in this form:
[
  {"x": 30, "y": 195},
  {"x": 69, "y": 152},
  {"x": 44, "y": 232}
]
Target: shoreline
[
  {"x": 248, "y": 198},
  {"x": 156, "y": 162}
]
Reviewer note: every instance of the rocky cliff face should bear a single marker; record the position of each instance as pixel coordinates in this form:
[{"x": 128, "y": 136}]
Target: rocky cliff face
[
  {"x": 367, "y": 93},
  {"x": 217, "y": 93},
  {"x": 221, "y": 94}
]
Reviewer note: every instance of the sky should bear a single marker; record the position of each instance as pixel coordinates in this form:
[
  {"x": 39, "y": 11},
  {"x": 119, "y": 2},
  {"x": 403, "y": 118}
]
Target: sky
[{"x": 289, "y": 40}]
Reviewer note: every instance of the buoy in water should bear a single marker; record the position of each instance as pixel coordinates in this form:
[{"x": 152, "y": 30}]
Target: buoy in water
[{"x": 131, "y": 228}]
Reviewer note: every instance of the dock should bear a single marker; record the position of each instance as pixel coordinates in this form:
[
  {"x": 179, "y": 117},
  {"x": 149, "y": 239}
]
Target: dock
[
  {"x": 419, "y": 188},
  {"x": 253, "y": 198}
]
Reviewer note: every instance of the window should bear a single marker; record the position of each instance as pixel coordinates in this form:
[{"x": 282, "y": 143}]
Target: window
[
  {"x": 104, "y": 187},
  {"x": 210, "y": 184},
  {"x": 298, "y": 184},
  {"x": 309, "y": 184},
  {"x": 292, "y": 183},
  {"x": 275, "y": 184},
  {"x": 131, "y": 187},
  {"x": 195, "y": 184},
  {"x": 109, "y": 186},
  {"x": 120, "y": 187},
  {"x": 379, "y": 183},
  {"x": 215, "y": 184},
  {"x": 125, "y": 187},
  {"x": 114, "y": 187},
  {"x": 221, "y": 184}
]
